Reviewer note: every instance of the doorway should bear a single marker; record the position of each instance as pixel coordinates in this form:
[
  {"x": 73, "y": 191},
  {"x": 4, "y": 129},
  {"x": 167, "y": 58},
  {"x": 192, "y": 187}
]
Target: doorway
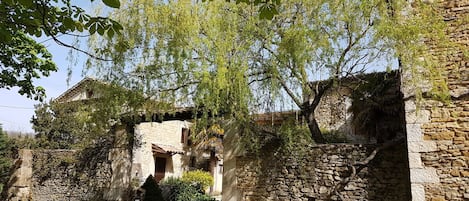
[{"x": 160, "y": 168}]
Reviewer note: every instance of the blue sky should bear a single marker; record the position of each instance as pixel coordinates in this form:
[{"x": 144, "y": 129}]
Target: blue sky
[{"x": 16, "y": 111}]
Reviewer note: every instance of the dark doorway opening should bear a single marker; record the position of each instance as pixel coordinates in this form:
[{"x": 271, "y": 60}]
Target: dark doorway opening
[{"x": 160, "y": 168}]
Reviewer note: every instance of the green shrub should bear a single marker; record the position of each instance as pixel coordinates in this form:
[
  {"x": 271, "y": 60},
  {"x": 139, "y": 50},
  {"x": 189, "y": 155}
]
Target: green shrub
[
  {"x": 175, "y": 189},
  {"x": 198, "y": 177}
]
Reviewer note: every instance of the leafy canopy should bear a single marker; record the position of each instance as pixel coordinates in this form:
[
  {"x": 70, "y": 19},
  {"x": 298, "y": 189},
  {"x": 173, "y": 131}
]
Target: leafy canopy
[
  {"x": 221, "y": 58},
  {"x": 22, "y": 59}
]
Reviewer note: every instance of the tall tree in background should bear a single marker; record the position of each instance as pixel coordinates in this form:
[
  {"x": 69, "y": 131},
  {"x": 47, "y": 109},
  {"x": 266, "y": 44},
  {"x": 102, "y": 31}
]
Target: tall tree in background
[
  {"x": 56, "y": 127},
  {"x": 22, "y": 59},
  {"x": 67, "y": 125},
  {"x": 221, "y": 58}
]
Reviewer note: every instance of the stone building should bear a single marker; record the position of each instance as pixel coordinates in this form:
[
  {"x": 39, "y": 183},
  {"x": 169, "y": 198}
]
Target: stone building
[
  {"x": 342, "y": 110},
  {"x": 162, "y": 147},
  {"x": 432, "y": 164}
]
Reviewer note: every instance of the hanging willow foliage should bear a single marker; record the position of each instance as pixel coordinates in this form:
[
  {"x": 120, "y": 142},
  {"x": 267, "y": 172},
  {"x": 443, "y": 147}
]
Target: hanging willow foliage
[{"x": 222, "y": 59}]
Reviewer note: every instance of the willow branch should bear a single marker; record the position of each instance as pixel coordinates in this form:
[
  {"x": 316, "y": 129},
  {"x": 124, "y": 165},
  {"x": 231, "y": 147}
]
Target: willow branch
[{"x": 179, "y": 87}]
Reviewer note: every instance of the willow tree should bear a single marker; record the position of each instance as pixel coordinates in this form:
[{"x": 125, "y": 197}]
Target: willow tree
[{"x": 222, "y": 59}]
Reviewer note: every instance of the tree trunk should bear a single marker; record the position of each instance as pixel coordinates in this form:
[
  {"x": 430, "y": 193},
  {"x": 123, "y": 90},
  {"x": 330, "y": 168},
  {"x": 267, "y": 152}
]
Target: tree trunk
[
  {"x": 314, "y": 128},
  {"x": 309, "y": 107}
]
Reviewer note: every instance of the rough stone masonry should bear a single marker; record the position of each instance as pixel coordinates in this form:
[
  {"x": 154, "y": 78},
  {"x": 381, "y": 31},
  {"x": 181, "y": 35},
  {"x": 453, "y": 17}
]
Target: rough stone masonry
[
  {"x": 438, "y": 132},
  {"x": 314, "y": 174}
]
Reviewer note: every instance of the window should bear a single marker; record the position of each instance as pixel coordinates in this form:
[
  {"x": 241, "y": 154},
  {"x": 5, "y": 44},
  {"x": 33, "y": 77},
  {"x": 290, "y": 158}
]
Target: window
[
  {"x": 185, "y": 135},
  {"x": 89, "y": 93}
]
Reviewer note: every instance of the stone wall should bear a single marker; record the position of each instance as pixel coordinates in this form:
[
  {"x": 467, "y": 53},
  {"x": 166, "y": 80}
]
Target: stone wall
[
  {"x": 96, "y": 173},
  {"x": 313, "y": 174},
  {"x": 57, "y": 175},
  {"x": 438, "y": 132}
]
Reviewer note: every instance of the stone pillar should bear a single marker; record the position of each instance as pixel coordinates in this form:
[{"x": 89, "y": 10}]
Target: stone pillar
[
  {"x": 231, "y": 150},
  {"x": 416, "y": 145},
  {"x": 19, "y": 186},
  {"x": 121, "y": 163}
]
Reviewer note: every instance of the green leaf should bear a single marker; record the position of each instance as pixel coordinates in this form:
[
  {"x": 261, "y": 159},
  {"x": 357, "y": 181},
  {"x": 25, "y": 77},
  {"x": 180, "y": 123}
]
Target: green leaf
[
  {"x": 26, "y": 3},
  {"x": 79, "y": 26},
  {"x": 110, "y": 33},
  {"x": 117, "y": 27},
  {"x": 267, "y": 11},
  {"x": 69, "y": 23},
  {"x": 92, "y": 29},
  {"x": 38, "y": 33},
  {"x": 112, "y": 3},
  {"x": 8, "y": 2},
  {"x": 100, "y": 29}
]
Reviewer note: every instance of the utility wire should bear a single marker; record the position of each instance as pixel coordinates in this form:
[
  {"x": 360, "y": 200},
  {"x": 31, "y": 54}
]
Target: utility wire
[{"x": 16, "y": 107}]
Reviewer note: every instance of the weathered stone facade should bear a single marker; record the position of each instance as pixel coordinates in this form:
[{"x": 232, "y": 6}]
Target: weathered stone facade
[
  {"x": 181, "y": 156},
  {"x": 314, "y": 172},
  {"x": 165, "y": 133},
  {"x": 335, "y": 113},
  {"x": 57, "y": 175},
  {"x": 438, "y": 132}
]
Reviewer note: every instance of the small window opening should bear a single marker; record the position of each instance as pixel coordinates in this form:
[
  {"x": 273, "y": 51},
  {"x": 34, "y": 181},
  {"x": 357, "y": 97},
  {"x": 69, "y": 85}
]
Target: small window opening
[{"x": 89, "y": 93}]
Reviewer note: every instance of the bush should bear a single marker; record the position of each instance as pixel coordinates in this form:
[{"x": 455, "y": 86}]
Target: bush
[
  {"x": 152, "y": 191},
  {"x": 198, "y": 177},
  {"x": 334, "y": 136},
  {"x": 174, "y": 189}
]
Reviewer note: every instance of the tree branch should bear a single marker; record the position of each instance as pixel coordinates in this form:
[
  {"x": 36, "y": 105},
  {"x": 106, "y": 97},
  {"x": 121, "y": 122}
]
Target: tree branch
[
  {"x": 361, "y": 165},
  {"x": 289, "y": 91},
  {"x": 351, "y": 43},
  {"x": 46, "y": 29},
  {"x": 77, "y": 49},
  {"x": 178, "y": 87}
]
